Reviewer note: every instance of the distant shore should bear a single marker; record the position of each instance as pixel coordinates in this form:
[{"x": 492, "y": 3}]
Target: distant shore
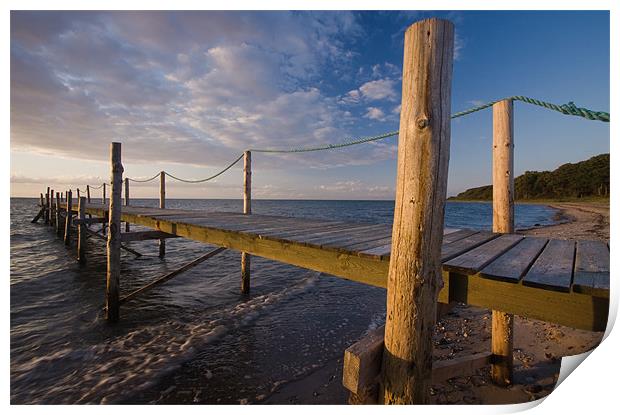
[{"x": 538, "y": 345}]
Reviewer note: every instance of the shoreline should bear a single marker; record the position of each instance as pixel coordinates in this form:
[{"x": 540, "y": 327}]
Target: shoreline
[{"x": 538, "y": 345}]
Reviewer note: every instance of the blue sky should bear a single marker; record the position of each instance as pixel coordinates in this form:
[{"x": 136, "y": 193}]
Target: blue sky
[{"x": 187, "y": 92}]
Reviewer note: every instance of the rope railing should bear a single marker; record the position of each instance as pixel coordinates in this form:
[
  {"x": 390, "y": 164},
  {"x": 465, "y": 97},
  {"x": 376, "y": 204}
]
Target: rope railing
[{"x": 566, "y": 109}]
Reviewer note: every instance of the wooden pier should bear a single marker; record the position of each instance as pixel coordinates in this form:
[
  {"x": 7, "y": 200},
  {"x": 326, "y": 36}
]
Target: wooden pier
[{"x": 419, "y": 262}]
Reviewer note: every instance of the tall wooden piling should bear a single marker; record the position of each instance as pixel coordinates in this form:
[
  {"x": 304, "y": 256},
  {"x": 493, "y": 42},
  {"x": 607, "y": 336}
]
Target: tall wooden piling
[
  {"x": 52, "y": 209},
  {"x": 103, "y": 201},
  {"x": 77, "y": 190},
  {"x": 58, "y": 222},
  {"x": 81, "y": 246},
  {"x": 162, "y": 205},
  {"x": 414, "y": 277},
  {"x": 88, "y": 193},
  {"x": 503, "y": 222},
  {"x": 247, "y": 209},
  {"x": 47, "y": 207},
  {"x": 114, "y": 235},
  {"x": 68, "y": 218},
  {"x": 126, "y": 200}
]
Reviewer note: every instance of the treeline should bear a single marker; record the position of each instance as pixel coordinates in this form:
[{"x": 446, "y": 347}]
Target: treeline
[{"x": 572, "y": 180}]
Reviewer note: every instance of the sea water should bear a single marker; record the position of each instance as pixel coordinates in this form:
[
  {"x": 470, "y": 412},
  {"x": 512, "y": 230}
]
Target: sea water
[{"x": 195, "y": 339}]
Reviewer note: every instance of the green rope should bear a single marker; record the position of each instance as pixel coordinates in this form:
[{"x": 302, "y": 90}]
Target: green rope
[
  {"x": 143, "y": 181},
  {"x": 329, "y": 146},
  {"x": 208, "y": 178},
  {"x": 566, "y": 109}
]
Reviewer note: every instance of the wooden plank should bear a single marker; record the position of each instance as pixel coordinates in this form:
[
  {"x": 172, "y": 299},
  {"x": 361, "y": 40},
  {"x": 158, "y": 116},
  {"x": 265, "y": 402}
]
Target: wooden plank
[
  {"x": 592, "y": 269},
  {"x": 474, "y": 260},
  {"x": 553, "y": 269},
  {"x": 385, "y": 250},
  {"x": 362, "y": 362},
  {"x": 88, "y": 221},
  {"x": 566, "y": 308},
  {"x": 454, "y": 249},
  {"x": 515, "y": 262},
  {"x": 145, "y": 235},
  {"x": 460, "y": 366}
]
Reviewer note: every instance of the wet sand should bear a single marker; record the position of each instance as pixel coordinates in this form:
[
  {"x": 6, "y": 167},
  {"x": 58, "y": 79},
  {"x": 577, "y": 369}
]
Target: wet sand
[{"x": 466, "y": 330}]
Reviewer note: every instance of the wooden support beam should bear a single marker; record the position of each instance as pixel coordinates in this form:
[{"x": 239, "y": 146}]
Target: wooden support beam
[
  {"x": 103, "y": 238},
  {"x": 81, "y": 246},
  {"x": 68, "y": 218},
  {"x": 414, "y": 277},
  {"x": 172, "y": 274},
  {"x": 52, "y": 206},
  {"x": 114, "y": 236},
  {"x": 503, "y": 221},
  {"x": 247, "y": 209},
  {"x": 362, "y": 367},
  {"x": 88, "y": 221},
  {"x": 38, "y": 216},
  {"x": 58, "y": 220},
  {"x": 145, "y": 235},
  {"x": 88, "y": 193},
  {"x": 126, "y": 200},
  {"x": 162, "y": 205},
  {"x": 77, "y": 190},
  {"x": 47, "y": 206}
]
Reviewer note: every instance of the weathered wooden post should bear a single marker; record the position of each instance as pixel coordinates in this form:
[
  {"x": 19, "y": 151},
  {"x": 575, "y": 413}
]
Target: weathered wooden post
[
  {"x": 58, "y": 217},
  {"x": 77, "y": 189},
  {"x": 42, "y": 202},
  {"x": 126, "y": 200},
  {"x": 88, "y": 193},
  {"x": 68, "y": 218},
  {"x": 114, "y": 235},
  {"x": 103, "y": 199},
  {"x": 162, "y": 205},
  {"x": 47, "y": 207},
  {"x": 52, "y": 208},
  {"x": 81, "y": 246},
  {"x": 414, "y": 277},
  {"x": 503, "y": 221},
  {"x": 247, "y": 209}
]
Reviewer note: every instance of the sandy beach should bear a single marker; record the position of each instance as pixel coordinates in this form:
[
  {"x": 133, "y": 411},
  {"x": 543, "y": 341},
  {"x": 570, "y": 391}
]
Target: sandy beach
[{"x": 539, "y": 345}]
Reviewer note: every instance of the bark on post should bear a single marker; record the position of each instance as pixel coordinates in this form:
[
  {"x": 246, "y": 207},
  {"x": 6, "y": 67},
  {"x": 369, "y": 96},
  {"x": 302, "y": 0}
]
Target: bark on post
[
  {"x": 503, "y": 221},
  {"x": 126, "y": 200},
  {"x": 162, "y": 205},
  {"x": 47, "y": 207},
  {"x": 114, "y": 235},
  {"x": 58, "y": 223},
  {"x": 81, "y": 248},
  {"x": 247, "y": 209},
  {"x": 88, "y": 193},
  {"x": 68, "y": 218},
  {"x": 414, "y": 277}
]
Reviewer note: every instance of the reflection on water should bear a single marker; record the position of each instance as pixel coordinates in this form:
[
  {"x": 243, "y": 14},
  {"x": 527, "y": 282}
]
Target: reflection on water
[{"x": 197, "y": 332}]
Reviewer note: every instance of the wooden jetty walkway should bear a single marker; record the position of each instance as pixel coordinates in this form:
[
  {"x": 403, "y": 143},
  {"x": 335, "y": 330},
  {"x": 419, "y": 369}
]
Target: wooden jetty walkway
[{"x": 419, "y": 262}]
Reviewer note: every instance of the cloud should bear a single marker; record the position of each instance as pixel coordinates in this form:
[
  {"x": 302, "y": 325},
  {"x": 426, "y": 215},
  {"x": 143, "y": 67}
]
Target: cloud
[
  {"x": 375, "y": 113},
  {"x": 379, "y": 89},
  {"x": 182, "y": 87}
]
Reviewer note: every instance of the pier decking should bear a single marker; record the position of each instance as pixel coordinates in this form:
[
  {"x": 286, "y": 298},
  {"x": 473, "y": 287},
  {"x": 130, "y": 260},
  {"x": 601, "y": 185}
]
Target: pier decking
[{"x": 565, "y": 282}]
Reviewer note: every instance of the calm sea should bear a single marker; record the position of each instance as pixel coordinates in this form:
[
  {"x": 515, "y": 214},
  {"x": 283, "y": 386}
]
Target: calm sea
[{"x": 194, "y": 339}]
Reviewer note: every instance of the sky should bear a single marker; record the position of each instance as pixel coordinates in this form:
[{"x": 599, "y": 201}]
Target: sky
[{"x": 188, "y": 92}]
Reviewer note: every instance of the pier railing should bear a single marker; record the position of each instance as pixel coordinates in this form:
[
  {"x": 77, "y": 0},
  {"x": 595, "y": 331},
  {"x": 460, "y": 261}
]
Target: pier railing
[{"x": 415, "y": 276}]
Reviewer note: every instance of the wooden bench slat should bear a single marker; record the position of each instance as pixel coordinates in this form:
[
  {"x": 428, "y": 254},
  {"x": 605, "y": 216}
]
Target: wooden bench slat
[
  {"x": 591, "y": 268},
  {"x": 553, "y": 269},
  {"x": 474, "y": 260},
  {"x": 513, "y": 264}
]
